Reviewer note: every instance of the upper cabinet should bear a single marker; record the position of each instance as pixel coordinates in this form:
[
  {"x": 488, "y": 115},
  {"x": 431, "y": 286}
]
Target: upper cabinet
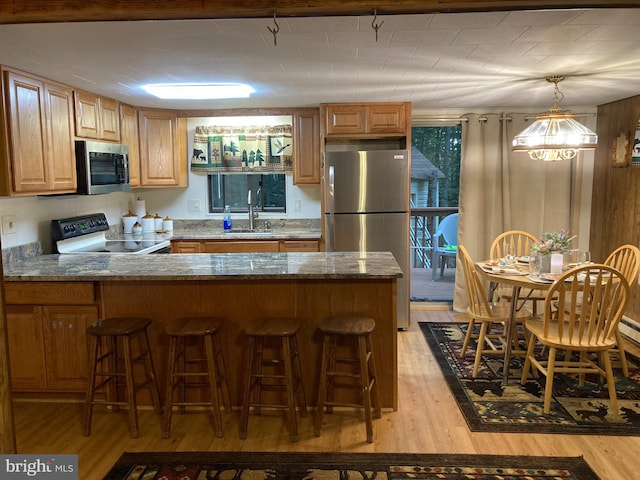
[
  {"x": 38, "y": 153},
  {"x": 162, "y": 138},
  {"x": 96, "y": 117},
  {"x": 306, "y": 156},
  {"x": 366, "y": 119},
  {"x": 130, "y": 137}
]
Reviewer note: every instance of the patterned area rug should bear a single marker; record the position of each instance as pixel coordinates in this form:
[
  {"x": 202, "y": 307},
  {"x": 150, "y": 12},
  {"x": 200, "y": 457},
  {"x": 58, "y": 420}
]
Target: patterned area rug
[
  {"x": 487, "y": 405},
  {"x": 344, "y": 466}
]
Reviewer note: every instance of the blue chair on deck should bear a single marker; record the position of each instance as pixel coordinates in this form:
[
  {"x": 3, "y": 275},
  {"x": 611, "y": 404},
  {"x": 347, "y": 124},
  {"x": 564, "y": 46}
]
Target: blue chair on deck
[{"x": 444, "y": 244}]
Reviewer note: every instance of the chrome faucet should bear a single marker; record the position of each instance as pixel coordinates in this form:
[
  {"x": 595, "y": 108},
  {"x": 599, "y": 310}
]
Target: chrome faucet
[{"x": 252, "y": 215}]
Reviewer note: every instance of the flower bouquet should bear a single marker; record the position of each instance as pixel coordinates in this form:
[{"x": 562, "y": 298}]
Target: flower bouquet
[{"x": 553, "y": 242}]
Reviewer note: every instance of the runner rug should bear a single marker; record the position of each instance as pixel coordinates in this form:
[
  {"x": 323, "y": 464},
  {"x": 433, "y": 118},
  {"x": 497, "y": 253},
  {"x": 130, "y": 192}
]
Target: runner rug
[
  {"x": 344, "y": 466},
  {"x": 488, "y": 405}
]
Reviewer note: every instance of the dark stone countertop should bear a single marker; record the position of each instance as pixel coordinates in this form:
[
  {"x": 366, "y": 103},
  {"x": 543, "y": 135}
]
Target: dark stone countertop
[{"x": 203, "y": 266}]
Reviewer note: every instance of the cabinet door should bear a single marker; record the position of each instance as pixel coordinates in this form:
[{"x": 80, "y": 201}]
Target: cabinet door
[
  {"x": 159, "y": 159},
  {"x": 345, "y": 119},
  {"x": 65, "y": 345},
  {"x": 186, "y": 247},
  {"x": 87, "y": 114},
  {"x": 26, "y": 348},
  {"x": 60, "y": 144},
  {"x": 27, "y": 133},
  {"x": 241, "y": 246},
  {"x": 129, "y": 136},
  {"x": 306, "y": 138},
  {"x": 386, "y": 118},
  {"x": 298, "y": 245},
  {"x": 109, "y": 119}
]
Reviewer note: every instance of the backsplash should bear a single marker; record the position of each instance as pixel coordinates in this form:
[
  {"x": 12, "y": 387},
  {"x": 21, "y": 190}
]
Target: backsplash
[
  {"x": 303, "y": 224},
  {"x": 20, "y": 252}
]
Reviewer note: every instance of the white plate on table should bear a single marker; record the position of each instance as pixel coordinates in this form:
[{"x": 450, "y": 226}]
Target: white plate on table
[
  {"x": 523, "y": 259},
  {"x": 550, "y": 277},
  {"x": 499, "y": 270},
  {"x": 539, "y": 279}
]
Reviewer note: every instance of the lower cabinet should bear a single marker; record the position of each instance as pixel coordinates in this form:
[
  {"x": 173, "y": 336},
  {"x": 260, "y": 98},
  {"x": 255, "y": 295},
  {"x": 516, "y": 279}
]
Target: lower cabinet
[
  {"x": 46, "y": 332},
  {"x": 48, "y": 346},
  {"x": 243, "y": 246}
]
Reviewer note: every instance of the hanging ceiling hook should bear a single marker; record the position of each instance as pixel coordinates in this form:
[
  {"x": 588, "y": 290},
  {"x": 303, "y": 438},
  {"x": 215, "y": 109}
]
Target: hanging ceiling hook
[
  {"x": 374, "y": 25},
  {"x": 274, "y": 31}
]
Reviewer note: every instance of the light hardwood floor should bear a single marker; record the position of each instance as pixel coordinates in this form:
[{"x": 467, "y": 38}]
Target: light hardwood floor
[{"x": 428, "y": 421}]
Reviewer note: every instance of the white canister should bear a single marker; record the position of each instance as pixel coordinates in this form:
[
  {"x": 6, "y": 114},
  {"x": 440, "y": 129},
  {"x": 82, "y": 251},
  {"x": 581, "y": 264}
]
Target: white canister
[
  {"x": 167, "y": 224},
  {"x": 157, "y": 222},
  {"x": 128, "y": 221},
  {"x": 148, "y": 224}
]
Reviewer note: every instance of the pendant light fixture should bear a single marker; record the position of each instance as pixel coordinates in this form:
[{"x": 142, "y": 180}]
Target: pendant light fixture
[{"x": 555, "y": 135}]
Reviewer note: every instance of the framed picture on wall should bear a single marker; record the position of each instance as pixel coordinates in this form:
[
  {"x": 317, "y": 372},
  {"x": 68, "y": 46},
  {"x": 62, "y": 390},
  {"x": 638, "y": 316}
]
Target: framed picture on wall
[{"x": 635, "y": 150}]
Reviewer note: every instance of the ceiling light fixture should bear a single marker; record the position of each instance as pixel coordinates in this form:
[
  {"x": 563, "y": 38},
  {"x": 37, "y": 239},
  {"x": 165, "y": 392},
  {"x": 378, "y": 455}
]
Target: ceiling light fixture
[
  {"x": 199, "y": 91},
  {"x": 555, "y": 135}
]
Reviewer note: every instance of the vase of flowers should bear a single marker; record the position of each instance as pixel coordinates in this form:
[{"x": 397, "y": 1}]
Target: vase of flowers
[{"x": 551, "y": 242}]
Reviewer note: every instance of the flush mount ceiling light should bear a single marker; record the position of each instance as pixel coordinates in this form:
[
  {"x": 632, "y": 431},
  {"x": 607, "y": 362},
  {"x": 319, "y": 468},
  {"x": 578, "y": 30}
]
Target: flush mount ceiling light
[
  {"x": 199, "y": 91},
  {"x": 554, "y": 135}
]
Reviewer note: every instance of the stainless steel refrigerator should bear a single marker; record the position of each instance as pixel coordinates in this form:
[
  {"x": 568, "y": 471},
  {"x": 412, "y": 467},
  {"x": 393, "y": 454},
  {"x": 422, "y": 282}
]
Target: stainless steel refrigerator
[{"x": 366, "y": 203}]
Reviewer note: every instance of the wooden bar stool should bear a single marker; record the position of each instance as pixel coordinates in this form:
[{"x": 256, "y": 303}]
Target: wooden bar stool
[
  {"x": 204, "y": 330},
  {"x": 364, "y": 378},
  {"x": 104, "y": 337},
  {"x": 285, "y": 372}
]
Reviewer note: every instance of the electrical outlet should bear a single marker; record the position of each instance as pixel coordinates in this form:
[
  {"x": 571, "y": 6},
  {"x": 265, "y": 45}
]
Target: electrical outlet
[
  {"x": 297, "y": 205},
  {"x": 8, "y": 224},
  {"x": 193, "y": 205}
]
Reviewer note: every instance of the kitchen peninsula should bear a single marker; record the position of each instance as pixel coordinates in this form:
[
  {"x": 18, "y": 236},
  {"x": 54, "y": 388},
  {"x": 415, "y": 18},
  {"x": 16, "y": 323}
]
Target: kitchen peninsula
[{"x": 41, "y": 290}]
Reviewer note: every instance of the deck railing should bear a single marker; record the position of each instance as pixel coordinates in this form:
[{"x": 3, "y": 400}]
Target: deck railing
[{"x": 424, "y": 223}]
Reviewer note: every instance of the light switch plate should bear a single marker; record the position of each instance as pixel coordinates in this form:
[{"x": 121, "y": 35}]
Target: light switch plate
[
  {"x": 8, "y": 224},
  {"x": 193, "y": 205}
]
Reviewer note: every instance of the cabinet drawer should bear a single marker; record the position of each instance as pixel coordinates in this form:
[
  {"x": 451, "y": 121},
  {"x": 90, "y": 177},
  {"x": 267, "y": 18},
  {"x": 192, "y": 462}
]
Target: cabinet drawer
[
  {"x": 50, "y": 293},
  {"x": 299, "y": 246},
  {"x": 240, "y": 247}
]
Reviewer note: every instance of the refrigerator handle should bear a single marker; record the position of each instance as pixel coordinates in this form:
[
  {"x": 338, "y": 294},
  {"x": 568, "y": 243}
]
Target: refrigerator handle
[{"x": 331, "y": 232}]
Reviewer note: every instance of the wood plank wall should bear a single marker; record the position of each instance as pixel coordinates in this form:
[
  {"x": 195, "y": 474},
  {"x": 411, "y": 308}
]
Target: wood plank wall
[{"x": 615, "y": 204}]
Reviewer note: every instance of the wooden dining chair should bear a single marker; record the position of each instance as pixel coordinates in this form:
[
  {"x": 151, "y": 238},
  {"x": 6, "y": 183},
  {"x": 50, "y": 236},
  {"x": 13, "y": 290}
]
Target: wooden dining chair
[
  {"x": 581, "y": 313},
  {"x": 625, "y": 259},
  {"x": 522, "y": 241},
  {"x": 488, "y": 314}
]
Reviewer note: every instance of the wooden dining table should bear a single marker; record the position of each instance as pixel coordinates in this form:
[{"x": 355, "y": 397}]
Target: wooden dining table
[{"x": 517, "y": 277}]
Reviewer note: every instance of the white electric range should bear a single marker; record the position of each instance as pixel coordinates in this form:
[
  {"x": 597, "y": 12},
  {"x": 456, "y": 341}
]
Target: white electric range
[{"x": 86, "y": 234}]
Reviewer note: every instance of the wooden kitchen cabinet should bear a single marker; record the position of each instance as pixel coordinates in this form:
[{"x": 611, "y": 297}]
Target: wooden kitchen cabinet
[
  {"x": 38, "y": 152},
  {"x": 65, "y": 345},
  {"x": 26, "y": 347},
  {"x": 97, "y": 117},
  {"x": 240, "y": 246},
  {"x": 244, "y": 246},
  {"x": 130, "y": 136},
  {"x": 306, "y": 156},
  {"x": 381, "y": 119},
  {"x": 161, "y": 164},
  {"x": 46, "y": 332},
  {"x": 299, "y": 245},
  {"x": 186, "y": 246}
]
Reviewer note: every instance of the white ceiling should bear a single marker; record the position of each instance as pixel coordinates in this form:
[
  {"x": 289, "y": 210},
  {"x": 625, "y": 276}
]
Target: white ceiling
[{"x": 435, "y": 61}]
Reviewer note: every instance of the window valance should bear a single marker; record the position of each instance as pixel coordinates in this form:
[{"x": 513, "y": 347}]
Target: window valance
[{"x": 221, "y": 149}]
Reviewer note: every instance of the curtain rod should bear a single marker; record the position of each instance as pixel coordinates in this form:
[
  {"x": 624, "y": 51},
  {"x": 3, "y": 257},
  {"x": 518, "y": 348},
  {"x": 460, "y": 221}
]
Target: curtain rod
[{"x": 482, "y": 118}]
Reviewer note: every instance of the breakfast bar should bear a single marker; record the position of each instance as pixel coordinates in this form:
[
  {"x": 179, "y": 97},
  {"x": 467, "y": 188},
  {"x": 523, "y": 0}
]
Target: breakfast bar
[{"x": 58, "y": 293}]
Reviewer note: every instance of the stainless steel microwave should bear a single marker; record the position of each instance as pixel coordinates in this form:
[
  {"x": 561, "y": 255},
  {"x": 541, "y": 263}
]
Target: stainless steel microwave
[{"x": 102, "y": 167}]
